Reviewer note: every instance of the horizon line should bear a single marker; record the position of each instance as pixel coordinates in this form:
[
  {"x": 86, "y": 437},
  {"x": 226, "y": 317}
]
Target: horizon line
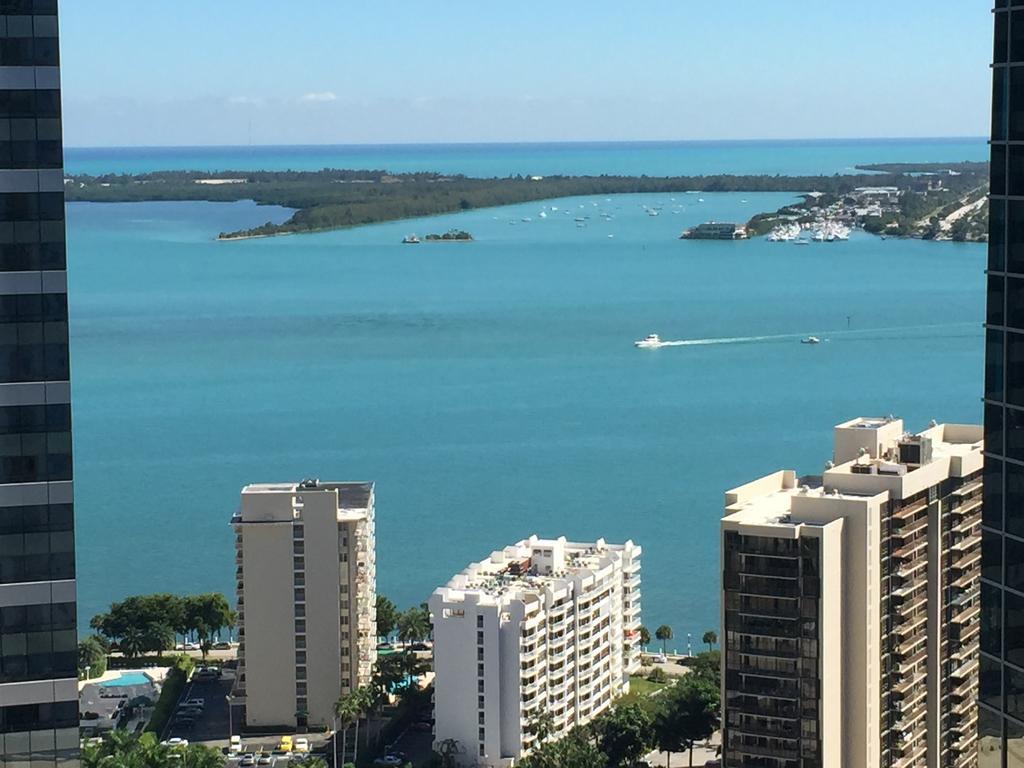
[{"x": 562, "y": 142}]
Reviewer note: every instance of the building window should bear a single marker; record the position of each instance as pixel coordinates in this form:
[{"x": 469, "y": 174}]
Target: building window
[
  {"x": 300, "y": 673},
  {"x": 479, "y": 622},
  {"x": 479, "y": 638}
]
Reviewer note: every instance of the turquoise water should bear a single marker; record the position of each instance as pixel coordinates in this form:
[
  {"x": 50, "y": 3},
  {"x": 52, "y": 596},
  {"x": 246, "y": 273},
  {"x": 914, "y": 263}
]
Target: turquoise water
[
  {"x": 126, "y": 679},
  {"x": 491, "y": 389},
  {"x": 652, "y": 158}
]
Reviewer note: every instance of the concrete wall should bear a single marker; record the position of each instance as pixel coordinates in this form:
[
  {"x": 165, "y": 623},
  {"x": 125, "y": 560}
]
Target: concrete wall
[{"x": 269, "y": 624}]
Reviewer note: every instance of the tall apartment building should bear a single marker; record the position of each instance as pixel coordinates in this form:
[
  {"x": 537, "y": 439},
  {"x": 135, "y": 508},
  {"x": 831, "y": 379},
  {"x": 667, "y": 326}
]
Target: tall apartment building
[
  {"x": 1001, "y": 716},
  {"x": 541, "y": 626},
  {"x": 306, "y": 599},
  {"x": 850, "y": 605},
  {"x": 38, "y": 657}
]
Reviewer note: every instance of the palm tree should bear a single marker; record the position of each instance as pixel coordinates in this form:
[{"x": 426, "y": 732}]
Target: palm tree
[
  {"x": 413, "y": 625},
  {"x": 363, "y": 700},
  {"x": 345, "y": 711},
  {"x": 663, "y": 633},
  {"x": 645, "y": 637},
  {"x": 710, "y": 638}
]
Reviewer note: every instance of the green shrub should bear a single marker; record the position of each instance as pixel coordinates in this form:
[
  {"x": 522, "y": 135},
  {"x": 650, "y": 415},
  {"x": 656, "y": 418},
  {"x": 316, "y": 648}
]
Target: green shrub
[
  {"x": 173, "y": 685},
  {"x": 658, "y": 675}
]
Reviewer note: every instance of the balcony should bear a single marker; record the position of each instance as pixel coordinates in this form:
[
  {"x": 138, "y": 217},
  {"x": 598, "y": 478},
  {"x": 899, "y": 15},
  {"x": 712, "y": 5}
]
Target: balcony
[
  {"x": 907, "y": 512},
  {"x": 966, "y": 544},
  {"x": 910, "y": 551},
  {"x": 967, "y": 560},
  {"x": 907, "y": 684},
  {"x": 966, "y": 616},
  {"x": 968, "y": 489},
  {"x": 908, "y": 529}
]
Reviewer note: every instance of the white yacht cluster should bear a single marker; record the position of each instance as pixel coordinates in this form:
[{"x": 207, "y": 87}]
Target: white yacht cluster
[{"x": 827, "y": 231}]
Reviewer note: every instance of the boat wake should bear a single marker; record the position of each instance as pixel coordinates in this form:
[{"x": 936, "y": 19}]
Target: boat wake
[{"x": 863, "y": 334}]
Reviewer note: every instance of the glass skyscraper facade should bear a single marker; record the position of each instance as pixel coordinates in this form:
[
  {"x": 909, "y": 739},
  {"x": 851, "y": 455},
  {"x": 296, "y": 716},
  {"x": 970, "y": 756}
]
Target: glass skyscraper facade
[
  {"x": 1001, "y": 691},
  {"x": 38, "y": 644}
]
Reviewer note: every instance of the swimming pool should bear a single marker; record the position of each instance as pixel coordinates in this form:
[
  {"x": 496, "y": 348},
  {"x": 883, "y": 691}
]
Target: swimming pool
[{"x": 126, "y": 679}]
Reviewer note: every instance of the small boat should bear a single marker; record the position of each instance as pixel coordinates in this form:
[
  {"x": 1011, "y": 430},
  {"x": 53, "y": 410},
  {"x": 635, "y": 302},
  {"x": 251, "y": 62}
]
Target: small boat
[
  {"x": 811, "y": 340},
  {"x": 410, "y": 240},
  {"x": 652, "y": 341}
]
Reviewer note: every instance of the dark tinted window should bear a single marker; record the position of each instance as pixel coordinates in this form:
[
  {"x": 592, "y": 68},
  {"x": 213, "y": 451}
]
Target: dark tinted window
[
  {"x": 992, "y": 557},
  {"x": 990, "y": 683},
  {"x": 1015, "y": 500},
  {"x": 996, "y": 314},
  {"x": 997, "y": 234},
  {"x": 991, "y": 621},
  {"x": 998, "y": 170},
  {"x": 994, "y": 363},
  {"x": 1001, "y": 38}
]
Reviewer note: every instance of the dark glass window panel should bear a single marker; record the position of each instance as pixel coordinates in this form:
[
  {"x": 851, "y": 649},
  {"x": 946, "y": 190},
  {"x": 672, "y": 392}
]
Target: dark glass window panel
[
  {"x": 17, "y": 52},
  {"x": 1013, "y": 629},
  {"x": 46, "y": 52},
  {"x": 1016, "y": 103},
  {"x": 1000, "y": 105},
  {"x": 1014, "y": 368},
  {"x": 993, "y": 427},
  {"x": 997, "y": 234},
  {"x": 1014, "y": 433},
  {"x": 997, "y": 171},
  {"x": 1015, "y": 170},
  {"x": 1017, "y": 36},
  {"x": 991, "y": 619},
  {"x": 990, "y": 739},
  {"x": 994, "y": 363},
  {"x": 1015, "y": 564},
  {"x": 990, "y": 683},
  {"x": 992, "y": 558},
  {"x": 1001, "y": 38},
  {"x": 1014, "y": 236},
  {"x": 996, "y": 300}
]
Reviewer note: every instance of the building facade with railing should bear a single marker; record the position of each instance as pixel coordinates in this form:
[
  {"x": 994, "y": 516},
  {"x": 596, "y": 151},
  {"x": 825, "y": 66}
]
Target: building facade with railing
[
  {"x": 306, "y": 585},
  {"x": 850, "y": 605},
  {"x": 545, "y": 626}
]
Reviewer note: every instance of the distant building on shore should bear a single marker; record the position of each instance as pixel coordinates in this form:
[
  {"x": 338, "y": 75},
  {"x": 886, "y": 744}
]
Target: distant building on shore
[
  {"x": 543, "y": 626},
  {"x": 306, "y": 573},
  {"x": 850, "y": 604},
  {"x": 715, "y": 230},
  {"x": 38, "y": 597}
]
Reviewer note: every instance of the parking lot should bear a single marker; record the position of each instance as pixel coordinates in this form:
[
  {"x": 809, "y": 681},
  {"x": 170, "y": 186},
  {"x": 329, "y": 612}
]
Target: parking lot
[{"x": 206, "y": 723}]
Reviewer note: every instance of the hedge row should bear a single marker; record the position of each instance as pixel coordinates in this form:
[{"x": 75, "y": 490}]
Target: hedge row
[{"x": 173, "y": 685}]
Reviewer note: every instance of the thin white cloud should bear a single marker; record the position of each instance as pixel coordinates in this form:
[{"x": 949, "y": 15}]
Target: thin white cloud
[
  {"x": 318, "y": 97},
  {"x": 253, "y": 100}
]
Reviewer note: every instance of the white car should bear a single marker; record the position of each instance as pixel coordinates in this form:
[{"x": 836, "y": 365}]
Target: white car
[
  {"x": 175, "y": 742},
  {"x": 247, "y": 760},
  {"x": 301, "y": 745}
]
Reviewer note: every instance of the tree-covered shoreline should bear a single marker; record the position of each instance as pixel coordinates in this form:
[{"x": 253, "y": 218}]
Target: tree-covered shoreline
[{"x": 335, "y": 199}]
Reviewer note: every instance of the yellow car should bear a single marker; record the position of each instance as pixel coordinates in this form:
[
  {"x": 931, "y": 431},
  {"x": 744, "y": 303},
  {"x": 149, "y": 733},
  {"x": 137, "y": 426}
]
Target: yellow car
[{"x": 285, "y": 745}]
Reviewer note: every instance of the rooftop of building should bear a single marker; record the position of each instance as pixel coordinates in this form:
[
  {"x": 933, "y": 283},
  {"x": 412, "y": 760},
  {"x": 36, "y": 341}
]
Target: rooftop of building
[
  {"x": 280, "y": 502},
  {"x": 533, "y": 565},
  {"x": 873, "y": 457}
]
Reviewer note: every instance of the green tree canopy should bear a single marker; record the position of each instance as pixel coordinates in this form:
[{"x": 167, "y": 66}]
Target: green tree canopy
[
  {"x": 710, "y": 638},
  {"x": 387, "y": 616},
  {"x": 626, "y": 734},
  {"x": 645, "y": 636}
]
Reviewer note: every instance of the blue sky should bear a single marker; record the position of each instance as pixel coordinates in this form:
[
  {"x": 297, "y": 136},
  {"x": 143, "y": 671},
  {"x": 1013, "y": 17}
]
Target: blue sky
[{"x": 185, "y": 72}]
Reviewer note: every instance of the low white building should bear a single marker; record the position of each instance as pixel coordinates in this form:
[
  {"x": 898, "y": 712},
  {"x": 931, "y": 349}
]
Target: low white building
[{"x": 544, "y": 625}]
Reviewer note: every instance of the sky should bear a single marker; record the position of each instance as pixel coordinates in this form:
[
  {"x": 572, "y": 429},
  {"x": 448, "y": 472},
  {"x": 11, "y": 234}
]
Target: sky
[{"x": 207, "y": 72}]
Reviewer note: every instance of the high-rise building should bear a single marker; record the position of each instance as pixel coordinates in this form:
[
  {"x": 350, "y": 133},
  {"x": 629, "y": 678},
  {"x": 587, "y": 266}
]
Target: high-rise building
[
  {"x": 543, "y": 626},
  {"x": 38, "y": 641},
  {"x": 307, "y": 614},
  {"x": 850, "y": 604},
  {"x": 1001, "y": 715}
]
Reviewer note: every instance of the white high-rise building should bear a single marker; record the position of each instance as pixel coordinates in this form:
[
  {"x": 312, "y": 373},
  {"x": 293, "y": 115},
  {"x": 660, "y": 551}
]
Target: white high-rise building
[
  {"x": 544, "y": 625},
  {"x": 306, "y": 599}
]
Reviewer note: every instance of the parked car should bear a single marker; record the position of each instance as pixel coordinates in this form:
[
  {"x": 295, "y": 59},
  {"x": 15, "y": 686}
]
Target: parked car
[
  {"x": 285, "y": 744},
  {"x": 235, "y": 744},
  {"x": 388, "y": 760},
  {"x": 175, "y": 742},
  {"x": 301, "y": 744},
  {"x": 247, "y": 760},
  {"x": 221, "y": 646},
  {"x": 263, "y": 760},
  {"x": 421, "y": 646}
]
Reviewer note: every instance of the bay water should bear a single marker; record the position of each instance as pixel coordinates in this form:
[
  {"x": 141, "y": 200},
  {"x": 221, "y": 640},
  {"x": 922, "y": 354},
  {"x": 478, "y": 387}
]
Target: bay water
[{"x": 491, "y": 389}]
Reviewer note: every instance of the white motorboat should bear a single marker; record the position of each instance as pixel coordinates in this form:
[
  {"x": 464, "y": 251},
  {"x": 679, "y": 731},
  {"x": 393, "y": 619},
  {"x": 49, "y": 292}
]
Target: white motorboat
[
  {"x": 410, "y": 240},
  {"x": 652, "y": 341},
  {"x": 811, "y": 340}
]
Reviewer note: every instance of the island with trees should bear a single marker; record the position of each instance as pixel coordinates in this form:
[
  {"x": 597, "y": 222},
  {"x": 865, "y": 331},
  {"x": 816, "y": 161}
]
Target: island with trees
[{"x": 334, "y": 199}]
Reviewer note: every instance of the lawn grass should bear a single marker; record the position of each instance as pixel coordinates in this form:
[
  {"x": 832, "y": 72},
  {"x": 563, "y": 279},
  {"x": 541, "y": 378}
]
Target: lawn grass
[{"x": 642, "y": 686}]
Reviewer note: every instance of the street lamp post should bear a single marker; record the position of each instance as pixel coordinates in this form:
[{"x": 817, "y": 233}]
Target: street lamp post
[
  {"x": 334, "y": 739},
  {"x": 231, "y": 727},
  {"x": 689, "y": 644}
]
